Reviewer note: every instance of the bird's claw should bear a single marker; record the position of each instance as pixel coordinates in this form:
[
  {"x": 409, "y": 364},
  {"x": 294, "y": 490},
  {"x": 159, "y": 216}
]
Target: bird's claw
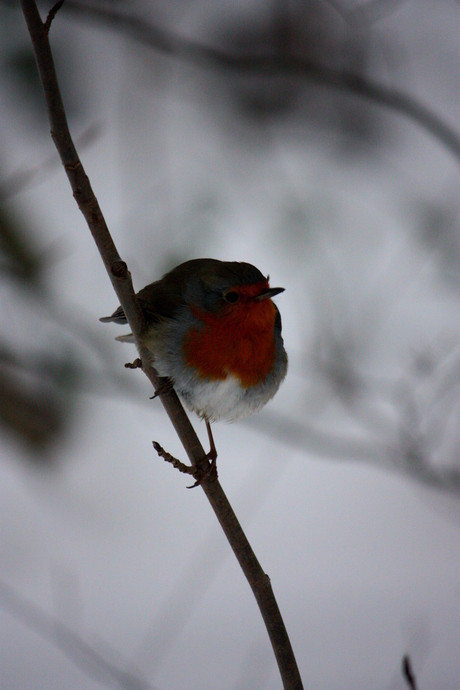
[
  {"x": 166, "y": 385},
  {"x": 209, "y": 473}
]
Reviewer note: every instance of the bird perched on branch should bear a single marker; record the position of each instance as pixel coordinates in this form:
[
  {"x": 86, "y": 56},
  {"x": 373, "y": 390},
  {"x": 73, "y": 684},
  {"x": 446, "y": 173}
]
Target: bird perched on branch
[{"x": 214, "y": 332}]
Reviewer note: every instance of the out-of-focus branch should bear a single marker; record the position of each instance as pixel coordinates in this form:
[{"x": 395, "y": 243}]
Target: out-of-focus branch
[
  {"x": 341, "y": 80},
  {"x": 408, "y": 673},
  {"x": 24, "y": 179},
  {"x": 71, "y": 644},
  {"x": 121, "y": 280},
  {"x": 308, "y": 437}
]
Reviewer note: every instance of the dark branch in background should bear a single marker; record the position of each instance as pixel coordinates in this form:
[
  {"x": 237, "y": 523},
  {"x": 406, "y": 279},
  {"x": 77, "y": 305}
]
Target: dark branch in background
[
  {"x": 25, "y": 179},
  {"x": 408, "y": 673},
  {"x": 73, "y": 646},
  {"x": 121, "y": 280},
  {"x": 366, "y": 13},
  {"x": 341, "y": 80},
  {"x": 305, "y": 436}
]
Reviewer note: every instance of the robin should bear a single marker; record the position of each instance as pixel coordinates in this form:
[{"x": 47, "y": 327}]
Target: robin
[{"x": 215, "y": 334}]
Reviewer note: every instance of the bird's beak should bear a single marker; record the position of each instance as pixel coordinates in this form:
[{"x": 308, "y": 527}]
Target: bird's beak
[{"x": 269, "y": 292}]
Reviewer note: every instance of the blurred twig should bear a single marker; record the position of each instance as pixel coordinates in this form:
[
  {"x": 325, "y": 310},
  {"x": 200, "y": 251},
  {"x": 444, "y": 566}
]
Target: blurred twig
[
  {"x": 71, "y": 644},
  {"x": 121, "y": 281},
  {"x": 408, "y": 673},
  {"x": 342, "y": 80},
  {"x": 324, "y": 444},
  {"x": 366, "y": 12},
  {"x": 24, "y": 179}
]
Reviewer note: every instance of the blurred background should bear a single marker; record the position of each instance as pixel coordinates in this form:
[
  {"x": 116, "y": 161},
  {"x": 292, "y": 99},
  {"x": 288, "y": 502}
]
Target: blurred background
[{"x": 319, "y": 141}]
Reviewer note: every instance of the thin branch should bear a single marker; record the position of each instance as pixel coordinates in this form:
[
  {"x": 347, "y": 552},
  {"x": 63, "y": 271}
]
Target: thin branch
[
  {"x": 408, "y": 673},
  {"x": 51, "y": 14},
  {"x": 25, "y": 179},
  {"x": 341, "y": 80},
  {"x": 177, "y": 464},
  {"x": 73, "y": 646},
  {"x": 122, "y": 284},
  {"x": 305, "y": 436}
]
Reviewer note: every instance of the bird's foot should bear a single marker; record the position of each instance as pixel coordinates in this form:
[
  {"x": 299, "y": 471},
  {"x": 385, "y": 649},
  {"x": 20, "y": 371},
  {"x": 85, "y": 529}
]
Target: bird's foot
[
  {"x": 166, "y": 385},
  {"x": 210, "y": 472}
]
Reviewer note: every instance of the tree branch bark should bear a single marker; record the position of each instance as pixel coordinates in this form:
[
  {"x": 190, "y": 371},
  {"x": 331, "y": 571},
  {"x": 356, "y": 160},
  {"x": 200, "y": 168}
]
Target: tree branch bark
[{"x": 123, "y": 287}]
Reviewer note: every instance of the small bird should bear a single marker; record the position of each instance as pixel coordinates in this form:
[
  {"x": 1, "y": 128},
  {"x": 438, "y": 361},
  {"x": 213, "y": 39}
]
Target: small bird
[{"x": 214, "y": 332}]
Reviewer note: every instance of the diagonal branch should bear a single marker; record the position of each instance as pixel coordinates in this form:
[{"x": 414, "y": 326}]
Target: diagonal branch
[
  {"x": 71, "y": 644},
  {"x": 121, "y": 280},
  {"x": 408, "y": 673},
  {"x": 341, "y": 80}
]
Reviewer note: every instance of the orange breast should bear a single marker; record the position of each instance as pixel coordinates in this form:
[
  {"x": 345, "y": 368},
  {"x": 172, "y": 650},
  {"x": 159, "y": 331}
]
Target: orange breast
[{"x": 237, "y": 340}]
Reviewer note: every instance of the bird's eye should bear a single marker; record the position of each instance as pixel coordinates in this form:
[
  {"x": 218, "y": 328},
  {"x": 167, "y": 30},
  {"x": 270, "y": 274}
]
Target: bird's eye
[{"x": 232, "y": 297}]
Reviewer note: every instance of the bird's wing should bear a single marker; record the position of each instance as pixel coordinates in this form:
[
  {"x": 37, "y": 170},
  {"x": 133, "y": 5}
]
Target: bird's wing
[{"x": 158, "y": 301}]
